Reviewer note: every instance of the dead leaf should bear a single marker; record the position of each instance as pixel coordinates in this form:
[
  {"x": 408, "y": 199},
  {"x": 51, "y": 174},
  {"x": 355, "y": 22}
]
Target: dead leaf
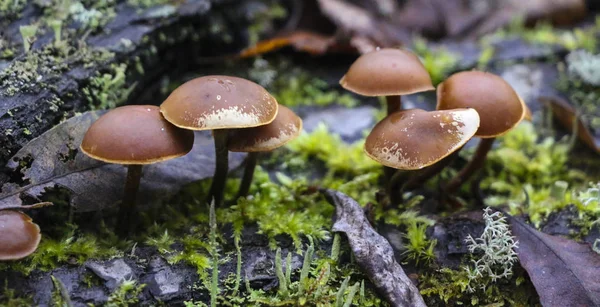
[
  {"x": 359, "y": 22},
  {"x": 373, "y": 252},
  {"x": 310, "y": 42},
  {"x": 566, "y": 114},
  {"x": 564, "y": 272},
  {"x": 53, "y": 160}
]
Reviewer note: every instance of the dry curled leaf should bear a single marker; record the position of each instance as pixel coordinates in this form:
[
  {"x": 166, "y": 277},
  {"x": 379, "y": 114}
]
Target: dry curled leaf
[
  {"x": 566, "y": 115},
  {"x": 310, "y": 42},
  {"x": 373, "y": 252},
  {"x": 53, "y": 160},
  {"x": 564, "y": 272}
]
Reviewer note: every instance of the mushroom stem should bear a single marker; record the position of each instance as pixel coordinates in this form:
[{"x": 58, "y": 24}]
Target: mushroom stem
[
  {"x": 132, "y": 184},
  {"x": 427, "y": 173},
  {"x": 394, "y": 103},
  {"x": 468, "y": 170},
  {"x": 248, "y": 175},
  {"x": 217, "y": 187},
  {"x": 398, "y": 176}
]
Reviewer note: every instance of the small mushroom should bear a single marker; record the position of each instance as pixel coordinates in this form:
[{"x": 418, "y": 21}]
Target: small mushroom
[
  {"x": 414, "y": 139},
  {"x": 498, "y": 105},
  {"x": 387, "y": 72},
  {"x": 134, "y": 136},
  {"x": 219, "y": 103},
  {"x": 286, "y": 127},
  {"x": 19, "y": 236}
]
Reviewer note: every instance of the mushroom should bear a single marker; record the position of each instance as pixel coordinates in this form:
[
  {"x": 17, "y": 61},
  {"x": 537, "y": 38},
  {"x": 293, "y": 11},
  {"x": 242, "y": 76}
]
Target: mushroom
[
  {"x": 134, "y": 136},
  {"x": 219, "y": 103},
  {"x": 414, "y": 139},
  {"x": 286, "y": 127},
  {"x": 387, "y": 72},
  {"x": 19, "y": 236},
  {"x": 498, "y": 105}
]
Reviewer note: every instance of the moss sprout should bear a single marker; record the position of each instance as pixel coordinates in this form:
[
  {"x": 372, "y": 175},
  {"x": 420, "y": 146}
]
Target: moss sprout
[
  {"x": 438, "y": 61},
  {"x": 125, "y": 295}
]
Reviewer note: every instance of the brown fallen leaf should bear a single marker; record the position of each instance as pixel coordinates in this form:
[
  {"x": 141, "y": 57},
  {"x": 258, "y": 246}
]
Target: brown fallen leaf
[
  {"x": 53, "y": 160},
  {"x": 373, "y": 252},
  {"x": 564, "y": 272},
  {"x": 566, "y": 114},
  {"x": 304, "y": 41}
]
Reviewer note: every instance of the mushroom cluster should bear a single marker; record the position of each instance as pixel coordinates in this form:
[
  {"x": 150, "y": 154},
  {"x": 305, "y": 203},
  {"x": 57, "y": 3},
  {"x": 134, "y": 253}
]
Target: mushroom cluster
[
  {"x": 242, "y": 115},
  {"x": 468, "y": 104}
]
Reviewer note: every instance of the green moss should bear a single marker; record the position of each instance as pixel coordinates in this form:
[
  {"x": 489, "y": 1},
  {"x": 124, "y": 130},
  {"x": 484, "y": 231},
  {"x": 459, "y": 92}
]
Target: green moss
[
  {"x": 9, "y": 298},
  {"x": 125, "y": 295},
  {"x": 294, "y": 86},
  {"x": 448, "y": 287},
  {"x": 263, "y": 20},
  {"x": 11, "y": 8},
  {"x": 544, "y": 33},
  {"x": 110, "y": 89},
  {"x": 73, "y": 247},
  {"x": 526, "y": 162},
  {"x": 439, "y": 62},
  {"x": 148, "y": 3}
]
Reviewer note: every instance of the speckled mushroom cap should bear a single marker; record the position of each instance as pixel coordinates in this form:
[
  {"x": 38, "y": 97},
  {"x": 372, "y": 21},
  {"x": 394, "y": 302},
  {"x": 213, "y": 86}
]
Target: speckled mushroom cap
[
  {"x": 19, "y": 236},
  {"x": 497, "y": 103},
  {"x": 219, "y": 102},
  {"x": 387, "y": 72},
  {"x": 286, "y": 127},
  {"x": 413, "y": 139},
  {"x": 135, "y": 135}
]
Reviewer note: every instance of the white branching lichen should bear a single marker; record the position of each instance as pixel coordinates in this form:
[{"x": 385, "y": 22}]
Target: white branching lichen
[
  {"x": 498, "y": 247},
  {"x": 584, "y": 65}
]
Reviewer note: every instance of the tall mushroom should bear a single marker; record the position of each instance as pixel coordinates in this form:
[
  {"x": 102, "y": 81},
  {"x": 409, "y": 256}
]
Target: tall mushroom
[
  {"x": 414, "y": 139},
  {"x": 19, "y": 236},
  {"x": 134, "y": 136},
  {"x": 286, "y": 127},
  {"x": 497, "y": 103},
  {"x": 387, "y": 72},
  {"x": 219, "y": 103}
]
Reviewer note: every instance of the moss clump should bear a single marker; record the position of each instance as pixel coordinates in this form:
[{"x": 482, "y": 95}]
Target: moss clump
[
  {"x": 9, "y": 298},
  {"x": 108, "y": 90},
  {"x": 544, "y": 33},
  {"x": 448, "y": 287},
  {"x": 10, "y": 9},
  {"x": 293, "y": 86},
  {"x": 126, "y": 294},
  {"x": 439, "y": 62}
]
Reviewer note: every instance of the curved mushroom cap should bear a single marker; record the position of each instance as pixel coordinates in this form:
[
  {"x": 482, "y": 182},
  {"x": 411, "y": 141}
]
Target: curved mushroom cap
[
  {"x": 387, "y": 72},
  {"x": 497, "y": 103},
  {"x": 286, "y": 127},
  {"x": 135, "y": 135},
  {"x": 219, "y": 102},
  {"x": 19, "y": 236},
  {"x": 414, "y": 139}
]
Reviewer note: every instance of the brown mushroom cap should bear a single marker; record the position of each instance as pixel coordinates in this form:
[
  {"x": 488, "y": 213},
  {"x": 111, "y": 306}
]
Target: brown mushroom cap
[
  {"x": 413, "y": 139},
  {"x": 135, "y": 135},
  {"x": 286, "y": 127},
  {"x": 387, "y": 72},
  {"x": 497, "y": 103},
  {"x": 219, "y": 102},
  {"x": 19, "y": 236}
]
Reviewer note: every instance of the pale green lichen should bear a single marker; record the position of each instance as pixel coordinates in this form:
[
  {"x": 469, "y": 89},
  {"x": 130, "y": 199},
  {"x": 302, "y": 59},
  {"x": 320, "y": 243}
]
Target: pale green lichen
[
  {"x": 28, "y": 35},
  {"x": 497, "y": 247},
  {"x": 108, "y": 90},
  {"x": 11, "y": 8}
]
